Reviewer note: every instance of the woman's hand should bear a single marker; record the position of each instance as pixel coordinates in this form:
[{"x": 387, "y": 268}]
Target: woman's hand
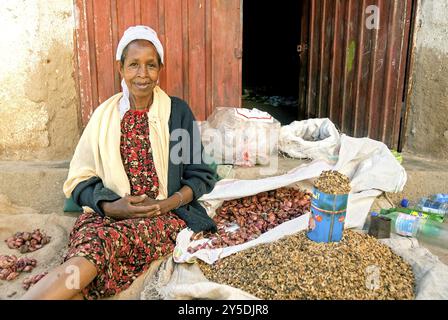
[
  {"x": 131, "y": 207},
  {"x": 171, "y": 203},
  {"x": 161, "y": 205}
]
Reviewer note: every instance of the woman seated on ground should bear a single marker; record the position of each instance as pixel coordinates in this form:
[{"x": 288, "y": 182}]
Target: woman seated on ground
[{"x": 129, "y": 171}]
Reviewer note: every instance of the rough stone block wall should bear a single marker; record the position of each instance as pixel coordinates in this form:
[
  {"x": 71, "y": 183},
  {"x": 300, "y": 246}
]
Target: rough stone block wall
[{"x": 38, "y": 101}]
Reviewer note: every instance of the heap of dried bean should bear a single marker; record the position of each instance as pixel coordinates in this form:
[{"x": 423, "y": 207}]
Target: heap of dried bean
[
  {"x": 31, "y": 280},
  {"x": 357, "y": 267},
  {"x": 333, "y": 182},
  {"x": 11, "y": 267},
  {"x": 28, "y": 241},
  {"x": 253, "y": 216}
]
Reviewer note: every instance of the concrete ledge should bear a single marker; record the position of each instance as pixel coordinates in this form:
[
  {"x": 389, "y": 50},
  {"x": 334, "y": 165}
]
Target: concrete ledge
[
  {"x": 425, "y": 177},
  {"x": 35, "y": 184}
]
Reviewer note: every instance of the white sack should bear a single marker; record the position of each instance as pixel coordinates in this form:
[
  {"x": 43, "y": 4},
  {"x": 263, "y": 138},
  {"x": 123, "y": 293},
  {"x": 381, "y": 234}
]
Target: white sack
[
  {"x": 239, "y": 136},
  {"x": 316, "y": 139}
]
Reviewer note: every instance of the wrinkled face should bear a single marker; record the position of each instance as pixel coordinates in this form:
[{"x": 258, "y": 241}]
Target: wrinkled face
[{"x": 141, "y": 68}]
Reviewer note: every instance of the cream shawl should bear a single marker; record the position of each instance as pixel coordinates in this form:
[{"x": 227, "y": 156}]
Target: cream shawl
[{"x": 98, "y": 151}]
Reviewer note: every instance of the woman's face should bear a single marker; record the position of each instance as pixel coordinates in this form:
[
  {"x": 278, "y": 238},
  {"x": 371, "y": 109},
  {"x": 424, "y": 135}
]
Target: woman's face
[{"x": 141, "y": 68}]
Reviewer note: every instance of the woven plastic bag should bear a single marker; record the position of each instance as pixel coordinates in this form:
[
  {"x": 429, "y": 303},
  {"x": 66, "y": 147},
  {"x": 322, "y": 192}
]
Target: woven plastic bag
[
  {"x": 239, "y": 136},
  {"x": 316, "y": 139}
]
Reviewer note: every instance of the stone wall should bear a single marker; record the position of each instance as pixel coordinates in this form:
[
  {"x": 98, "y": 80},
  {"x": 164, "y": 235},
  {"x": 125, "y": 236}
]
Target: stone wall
[
  {"x": 427, "y": 129},
  {"x": 38, "y": 100}
]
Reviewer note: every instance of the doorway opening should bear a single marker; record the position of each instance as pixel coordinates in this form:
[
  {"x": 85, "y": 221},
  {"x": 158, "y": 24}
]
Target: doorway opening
[{"x": 271, "y": 62}]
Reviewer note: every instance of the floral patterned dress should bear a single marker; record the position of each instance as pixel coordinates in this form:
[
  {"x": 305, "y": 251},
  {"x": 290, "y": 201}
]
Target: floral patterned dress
[{"x": 123, "y": 250}]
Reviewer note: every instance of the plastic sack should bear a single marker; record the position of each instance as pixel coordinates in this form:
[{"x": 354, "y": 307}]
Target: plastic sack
[
  {"x": 239, "y": 136},
  {"x": 317, "y": 139}
]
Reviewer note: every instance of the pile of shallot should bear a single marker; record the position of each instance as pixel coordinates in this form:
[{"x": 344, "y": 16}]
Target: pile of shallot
[
  {"x": 245, "y": 219},
  {"x": 31, "y": 280},
  {"x": 11, "y": 266},
  {"x": 28, "y": 241}
]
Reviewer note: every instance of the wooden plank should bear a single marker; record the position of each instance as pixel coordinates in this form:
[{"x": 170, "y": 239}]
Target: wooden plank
[
  {"x": 350, "y": 66},
  {"x": 104, "y": 50},
  {"x": 208, "y": 59},
  {"x": 226, "y": 53},
  {"x": 83, "y": 62},
  {"x": 304, "y": 57},
  {"x": 185, "y": 55},
  {"x": 162, "y": 38},
  {"x": 364, "y": 53},
  {"x": 115, "y": 39},
  {"x": 326, "y": 32},
  {"x": 335, "y": 107},
  {"x": 92, "y": 55},
  {"x": 313, "y": 63},
  {"x": 173, "y": 48},
  {"x": 149, "y": 10},
  {"x": 126, "y": 15},
  {"x": 390, "y": 85},
  {"x": 197, "y": 56},
  {"x": 137, "y": 12},
  {"x": 377, "y": 71},
  {"x": 406, "y": 65}
]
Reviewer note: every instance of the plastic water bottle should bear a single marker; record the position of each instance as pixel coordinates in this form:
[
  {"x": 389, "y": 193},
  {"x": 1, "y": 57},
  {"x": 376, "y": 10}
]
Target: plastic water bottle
[
  {"x": 440, "y": 197},
  {"x": 427, "y": 205},
  {"x": 417, "y": 213},
  {"x": 425, "y": 230}
]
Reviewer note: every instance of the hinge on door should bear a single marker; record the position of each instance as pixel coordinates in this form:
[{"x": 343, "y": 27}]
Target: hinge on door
[
  {"x": 302, "y": 47},
  {"x": 238, "y": 53}
]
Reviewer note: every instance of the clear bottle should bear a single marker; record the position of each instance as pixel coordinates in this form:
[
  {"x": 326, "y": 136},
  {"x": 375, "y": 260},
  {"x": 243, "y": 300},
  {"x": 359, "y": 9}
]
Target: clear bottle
[
  {"x": 427, "y": 205},
  {"x": 440, "y": 197},
  {"x": 425, "y": 230}
]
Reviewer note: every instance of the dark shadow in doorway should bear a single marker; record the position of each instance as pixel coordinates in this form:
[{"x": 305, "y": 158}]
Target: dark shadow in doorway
[{"x": 271, "y": 33}]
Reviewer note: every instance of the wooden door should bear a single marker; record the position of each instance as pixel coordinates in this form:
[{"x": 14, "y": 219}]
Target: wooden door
[
  {"x": 202, "y": 41},
  {"x": 354, "y": 55}
]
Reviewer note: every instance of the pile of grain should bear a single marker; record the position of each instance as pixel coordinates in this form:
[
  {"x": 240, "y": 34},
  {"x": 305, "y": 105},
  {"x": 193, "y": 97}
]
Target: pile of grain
[
  {"x": 357, "y": 267},
  {"x": 333, "y": 182}
]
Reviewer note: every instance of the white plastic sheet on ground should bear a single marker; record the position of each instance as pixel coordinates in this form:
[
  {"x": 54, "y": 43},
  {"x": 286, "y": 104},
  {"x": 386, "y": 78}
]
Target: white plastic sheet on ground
[{"x": 370, "y": 165}]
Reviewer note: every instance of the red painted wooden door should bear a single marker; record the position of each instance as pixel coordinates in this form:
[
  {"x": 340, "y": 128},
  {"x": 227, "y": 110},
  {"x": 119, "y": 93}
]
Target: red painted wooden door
[
  {"x": 202, "y": 41},
  {"x": 354, "y": 56}
]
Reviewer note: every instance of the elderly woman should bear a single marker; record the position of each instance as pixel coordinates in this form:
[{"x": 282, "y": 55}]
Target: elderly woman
[{"x": 129, "y": 169}]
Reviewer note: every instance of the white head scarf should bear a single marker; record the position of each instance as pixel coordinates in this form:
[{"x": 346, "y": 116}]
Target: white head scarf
[{"x": 131, "y": 34}]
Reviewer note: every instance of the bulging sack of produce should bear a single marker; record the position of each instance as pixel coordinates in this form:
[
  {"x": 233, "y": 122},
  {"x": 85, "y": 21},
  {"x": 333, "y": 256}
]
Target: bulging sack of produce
[
  {"x": 239, "y": 136},
  {"x": 316, "y": 139},
  {"x": 328, "y": 207}
]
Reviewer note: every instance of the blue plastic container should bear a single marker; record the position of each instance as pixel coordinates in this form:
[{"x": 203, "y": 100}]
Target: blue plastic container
[{"x": 327, "y": 218}]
